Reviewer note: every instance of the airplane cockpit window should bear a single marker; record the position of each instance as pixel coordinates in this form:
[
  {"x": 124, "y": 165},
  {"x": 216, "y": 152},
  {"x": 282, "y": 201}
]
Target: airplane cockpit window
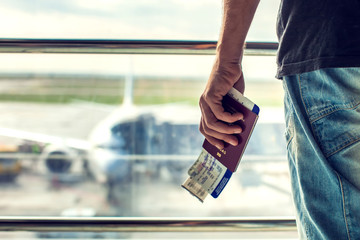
[{"x": 113, "y": 134}]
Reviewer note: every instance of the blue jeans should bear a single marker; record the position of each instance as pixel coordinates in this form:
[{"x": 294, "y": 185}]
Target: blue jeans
[{"x": 323, "y": 134}]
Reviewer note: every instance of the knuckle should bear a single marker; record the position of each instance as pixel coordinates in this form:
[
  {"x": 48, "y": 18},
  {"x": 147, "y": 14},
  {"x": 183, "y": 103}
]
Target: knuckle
[
  {"x": 201, "y": 100},
  {"x": 211, "y": 125},
  {"x": 201, "y": 129},
  {"x": 206, "y": 131}
]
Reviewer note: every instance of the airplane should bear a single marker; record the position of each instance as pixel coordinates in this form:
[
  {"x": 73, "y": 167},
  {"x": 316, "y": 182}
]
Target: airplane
[
  {"x": 131, "y": 135},
  {"x": 139, "y": 140}
]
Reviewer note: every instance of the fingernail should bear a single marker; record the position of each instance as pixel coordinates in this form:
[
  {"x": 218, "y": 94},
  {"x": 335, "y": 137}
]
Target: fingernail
[{"x": 219, "y": 147}]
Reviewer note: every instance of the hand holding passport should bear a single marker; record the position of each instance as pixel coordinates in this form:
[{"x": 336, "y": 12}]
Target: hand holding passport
[{"x": 222, "y": 162}]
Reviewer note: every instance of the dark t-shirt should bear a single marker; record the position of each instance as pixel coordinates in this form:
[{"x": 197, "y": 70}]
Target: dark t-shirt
[{"x": 316, "y": 34}]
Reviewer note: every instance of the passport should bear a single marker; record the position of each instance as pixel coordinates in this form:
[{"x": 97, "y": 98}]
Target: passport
[
  {"x": 230, "y": 155},
  {"x": 213, "y": 169}
]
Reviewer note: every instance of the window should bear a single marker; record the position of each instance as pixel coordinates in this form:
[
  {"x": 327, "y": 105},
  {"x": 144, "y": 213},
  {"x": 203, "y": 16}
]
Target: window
[{"x": 94, "y": 135}]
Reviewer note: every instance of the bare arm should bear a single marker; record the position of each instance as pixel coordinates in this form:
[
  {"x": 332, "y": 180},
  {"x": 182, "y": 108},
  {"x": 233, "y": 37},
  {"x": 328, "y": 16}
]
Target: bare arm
[{"x": 226, "y": 73}]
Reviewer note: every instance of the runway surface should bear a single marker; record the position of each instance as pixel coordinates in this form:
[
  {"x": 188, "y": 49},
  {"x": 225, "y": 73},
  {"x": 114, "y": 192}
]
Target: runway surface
[{"x": 258, "y": 189}]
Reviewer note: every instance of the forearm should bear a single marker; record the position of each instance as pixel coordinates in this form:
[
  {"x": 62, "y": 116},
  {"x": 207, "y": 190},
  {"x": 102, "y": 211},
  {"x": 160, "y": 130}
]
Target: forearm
[
  {"x": 226, "y": 73},
  {"x": 237, "y": 18}
]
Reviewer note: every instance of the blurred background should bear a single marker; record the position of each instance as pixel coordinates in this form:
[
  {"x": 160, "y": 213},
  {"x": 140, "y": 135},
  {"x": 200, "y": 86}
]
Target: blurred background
[{"x": 114, "y": 134}]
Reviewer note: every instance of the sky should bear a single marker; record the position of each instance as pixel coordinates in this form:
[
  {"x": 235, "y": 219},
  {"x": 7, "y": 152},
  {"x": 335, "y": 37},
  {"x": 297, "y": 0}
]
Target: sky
[{"x": 124, "y": 19}]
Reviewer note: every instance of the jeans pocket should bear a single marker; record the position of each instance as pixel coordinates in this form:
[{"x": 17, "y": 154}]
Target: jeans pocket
[{"x": 337, "y": 130}]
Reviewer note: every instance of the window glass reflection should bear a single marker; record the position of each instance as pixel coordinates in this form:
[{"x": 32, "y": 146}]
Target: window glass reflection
[
  {"x": 121, "y": 19},
  {"x": 71, "y": 145}
]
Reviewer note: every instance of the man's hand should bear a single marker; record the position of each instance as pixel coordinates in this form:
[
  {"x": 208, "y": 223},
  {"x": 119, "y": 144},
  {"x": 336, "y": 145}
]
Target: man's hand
[
  {"x": 226, "y": 73},
  {"x": 213, "y": 124}
]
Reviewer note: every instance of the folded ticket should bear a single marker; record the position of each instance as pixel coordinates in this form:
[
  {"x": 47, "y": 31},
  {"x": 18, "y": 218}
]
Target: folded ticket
[
  {"x": 213, "y": 169},
  {"x": 206, "y": 176}
]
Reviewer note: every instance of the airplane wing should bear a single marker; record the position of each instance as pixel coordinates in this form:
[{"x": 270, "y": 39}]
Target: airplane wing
[
  {"x": 44, "y": 138},
  {"x": 60, "y": 156}
]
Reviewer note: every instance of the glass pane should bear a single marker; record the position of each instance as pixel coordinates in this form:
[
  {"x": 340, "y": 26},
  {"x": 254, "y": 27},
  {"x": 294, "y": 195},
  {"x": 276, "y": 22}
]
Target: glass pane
[
  {"x": 72, "y": 146},
  {"x": 114, "y": 135},
  {"x": 121, "y": 19}
]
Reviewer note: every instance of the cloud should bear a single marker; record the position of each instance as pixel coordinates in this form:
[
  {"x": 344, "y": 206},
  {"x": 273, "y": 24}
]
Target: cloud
[
  {"x": 110, "y": 19},
  {"x": 144, "y": 19},
  {"x": 124, "y": 19}
]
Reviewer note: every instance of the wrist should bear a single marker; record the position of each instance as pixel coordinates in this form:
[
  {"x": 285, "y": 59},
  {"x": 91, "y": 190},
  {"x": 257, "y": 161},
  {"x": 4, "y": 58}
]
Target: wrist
[
  {"x": 229, "y": 55},
  {"x": 227, "y": 65},
  {"x": 225, "y": 73}
]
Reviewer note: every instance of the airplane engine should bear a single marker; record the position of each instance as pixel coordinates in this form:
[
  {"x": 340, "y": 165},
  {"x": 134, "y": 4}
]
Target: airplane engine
[
  {"x": 58, "y": 162},
  {"x": 57, "y": 159}
]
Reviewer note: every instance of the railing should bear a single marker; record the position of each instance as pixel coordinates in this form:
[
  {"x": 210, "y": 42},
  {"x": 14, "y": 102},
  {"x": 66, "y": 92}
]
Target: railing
[
  {"x": 145, "y": 224},
  {"x": 125, "y": 47},
  {"x": 136, "y": 224}
]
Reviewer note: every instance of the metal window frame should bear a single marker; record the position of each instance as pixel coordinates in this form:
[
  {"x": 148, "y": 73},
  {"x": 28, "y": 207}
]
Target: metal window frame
[
  {"x": 92, "y": 46},
  {"x": 137, "y": 224},
  {"x": 146, "y": 224}
]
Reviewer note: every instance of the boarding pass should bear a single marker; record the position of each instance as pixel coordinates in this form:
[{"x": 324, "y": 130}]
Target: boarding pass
[{"x": 206, "y": 176}]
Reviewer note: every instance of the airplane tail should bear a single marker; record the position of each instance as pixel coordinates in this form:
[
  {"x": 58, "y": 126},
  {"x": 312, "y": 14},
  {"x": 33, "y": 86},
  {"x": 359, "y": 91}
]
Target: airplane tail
[{"x": 129, "y": 86}]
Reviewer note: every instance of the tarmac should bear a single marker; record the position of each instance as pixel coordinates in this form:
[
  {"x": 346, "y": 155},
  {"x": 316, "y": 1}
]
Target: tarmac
[{"x": 257, "y": 189}]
